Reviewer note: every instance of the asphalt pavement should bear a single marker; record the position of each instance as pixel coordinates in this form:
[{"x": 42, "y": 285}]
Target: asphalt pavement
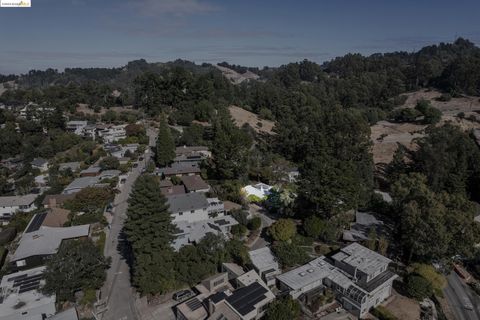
[
  {"x": 464, "y": 303},
  {"x": 118, "y": 295}
]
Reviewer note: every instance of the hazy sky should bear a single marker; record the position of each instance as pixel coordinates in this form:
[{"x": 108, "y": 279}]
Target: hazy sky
[{"x": 87, "y": 33}]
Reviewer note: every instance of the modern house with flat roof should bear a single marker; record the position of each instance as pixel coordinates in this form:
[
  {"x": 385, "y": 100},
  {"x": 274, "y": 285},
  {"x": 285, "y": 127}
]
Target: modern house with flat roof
[
  {"x": 265, "y": 264},
  {"x": 358, "y": 276},
  {"x": 9, "y": 205},
  {"x": 76, "y": 127},
  {"x": 21, "y": 297}
]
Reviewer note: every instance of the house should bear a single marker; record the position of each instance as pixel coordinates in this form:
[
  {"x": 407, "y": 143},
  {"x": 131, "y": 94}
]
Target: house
[
  {"x": 109, "y": 174},
  {"x": 179, "y": 170},
  {"x": 76, "y": 127},
  {"x": 69, "y": 314},
  {"x": 81, "y": 183},
  {"x": 193, "y": 207},
  {"x": 231, "y": 206},
  {"x": 40, "y": 163},
  {"x": 167, "y": 188},
  {"x": 9, "y": 205},
  {"x": 192, "y": 232},
  {"x": 113, "y": 133},
  {"x": 364, "y": 223},
  {"x": 265, "y": 264},
  {"x": 73, "y": 166},
  {"x": 358, "y": 276},
  {"x": 194, "y": 309},
  {"x": 118, "y": 151},
  {"x": 91, "y": 171},
  {"x": 56, "y": 200},
  {"x": 21, "y": 297},
  {"x": 193, "y": 154},
  {"x": 195, "y": 184},
  {"x": 258, "y": 191},
  {"x": 245, "y": 303},
  {"x": 292, "y": 175},
  {"x": 385, "y": 196},
  {"x": 232, "y": 269},
  {"x": 39, "y": 242},
  {"x": 55, "y": 217},
  {"x": 89, "y": 131}
]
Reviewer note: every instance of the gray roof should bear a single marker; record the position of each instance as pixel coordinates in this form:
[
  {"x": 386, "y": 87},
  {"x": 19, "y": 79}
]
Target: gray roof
[
  {"x": 263, "y": 259},
  {"x": 362, "y": 258},
  {"x": 187, "y": 202},
  {"x": 70, "y": 314},
  {"x": 109, "y": 174},
  {"x": 91, "y": 169},
  {"x": 15, "y": 201},
  {"x": 194, "y": 183},
  {"x": 180, "y": 168},
  {"x": 81, "y": 183},
  {"x": 39, "y": 162},
  {"x": 47, "y": 240},
  {"x": 69, "y": 165}
]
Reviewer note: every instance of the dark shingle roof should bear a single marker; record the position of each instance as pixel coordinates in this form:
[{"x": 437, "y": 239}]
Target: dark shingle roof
[{"x": 187, "y": 202}]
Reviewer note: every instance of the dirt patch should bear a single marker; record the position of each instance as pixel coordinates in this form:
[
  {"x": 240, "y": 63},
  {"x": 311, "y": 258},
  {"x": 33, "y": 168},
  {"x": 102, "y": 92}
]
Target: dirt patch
[
  {"x": 235, "y": 77},
  {"x": 402, "y": 307},
  {"x": 241, "y": 116},
  {"x": 465, "y": 104},
  {"x": 386, "y": 136}
]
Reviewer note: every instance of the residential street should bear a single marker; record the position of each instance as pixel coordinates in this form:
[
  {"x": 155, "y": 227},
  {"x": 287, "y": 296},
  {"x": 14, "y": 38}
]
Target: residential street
[
  {"x": 458, "y": 295},
  {"x": 117, "y": 293}
]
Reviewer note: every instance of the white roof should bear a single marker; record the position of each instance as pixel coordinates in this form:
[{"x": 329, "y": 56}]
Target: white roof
[
  {"x": 15, "y": 201},
  {"x": 47, "y": 240},
  {"x": 77, "y": 123},
  {"x": 34, "y": 302},
  {"x": 69, "y": 314},
  {"x": 248, "y": 278},
  {"x": 362, "y": 258},
  {"x": 263, "y": 259},
  {"x": 313, "y": 272}
]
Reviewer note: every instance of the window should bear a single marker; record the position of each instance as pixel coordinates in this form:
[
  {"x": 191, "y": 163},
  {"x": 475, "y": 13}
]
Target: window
[
  {"x": 192, "y": 211},
  {"x": 218, "y": 282},
  {"x": 180, "y": 214},
  {"x": 21, "y": 263}
]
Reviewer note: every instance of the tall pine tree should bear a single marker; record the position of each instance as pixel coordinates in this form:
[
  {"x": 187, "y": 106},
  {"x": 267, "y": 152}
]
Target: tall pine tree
[
  {"x": 165, "y": 149},
  {"x": 149, "y": 230}
]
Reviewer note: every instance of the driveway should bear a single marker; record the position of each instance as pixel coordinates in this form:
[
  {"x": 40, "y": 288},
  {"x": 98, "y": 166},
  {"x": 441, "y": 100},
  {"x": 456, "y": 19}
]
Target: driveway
[{"x": 458, "y": 294}]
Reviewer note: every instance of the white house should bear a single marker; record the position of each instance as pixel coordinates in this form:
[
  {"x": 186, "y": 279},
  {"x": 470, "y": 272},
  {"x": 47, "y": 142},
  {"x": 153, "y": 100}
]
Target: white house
[
  {"x": 76, "y": 127},
  {"x": 21, "y": 296},
  {"x": 359, "y": 277},
  {"x": 9, "y": 205},
  {"x": 113, "y": 133},
  {"x": 192, "y": 207},
  {"x": 259, "y": 190},
  {"x": 265, "y": 264}
]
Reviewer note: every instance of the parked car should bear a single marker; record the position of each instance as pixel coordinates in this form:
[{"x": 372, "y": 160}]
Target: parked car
[{"x": 182, "y": 295}]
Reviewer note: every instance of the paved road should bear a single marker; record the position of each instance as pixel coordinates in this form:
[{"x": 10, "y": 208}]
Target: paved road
[
  {"x": 260, "y": 242},
  {"x": 458, "y": 294},
  {"x": 117, "y": 291}
]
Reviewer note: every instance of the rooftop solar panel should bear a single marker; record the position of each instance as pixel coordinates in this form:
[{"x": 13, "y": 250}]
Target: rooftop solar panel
[
  {"x": 29, "y": 287},
  {"x": 36, "y": 222},
  {"x": 244, "y": 299}
]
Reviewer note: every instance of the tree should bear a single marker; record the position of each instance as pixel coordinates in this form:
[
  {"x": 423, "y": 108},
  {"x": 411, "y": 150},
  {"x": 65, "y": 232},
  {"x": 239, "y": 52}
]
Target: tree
[
  {"x": 78, "y": 265},
  {"x": 90, "y": 200},
  {"x": 418, "y": 287},
  {"x": 290, "y": 254},
  {"x": 165, "y": 148},
  {"x": 318, "y": 228},
  {"x": 283, "y": 230},
  {"x": 371, "y": 242},
  {"x": 382, "y": 245},
  {"x": 149, "y": 230},
  {"x": 110, "y": 163},
  {"x": 230, "y": 148},
  {"x": 283, "y": 309},
  {"x": 255, "y": 223}
]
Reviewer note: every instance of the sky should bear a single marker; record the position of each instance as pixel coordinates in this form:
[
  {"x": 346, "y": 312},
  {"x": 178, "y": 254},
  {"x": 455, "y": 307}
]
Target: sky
[{"x": 106, "y": 33}]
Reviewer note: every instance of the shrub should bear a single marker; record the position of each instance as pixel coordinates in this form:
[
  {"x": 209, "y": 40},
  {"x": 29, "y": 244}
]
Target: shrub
[
  {"x": 255, "y": 223},
  {"x": 383, "y": 314},
  {"x": 283, "y": 230},
  {"x": 418, "y": 287}
]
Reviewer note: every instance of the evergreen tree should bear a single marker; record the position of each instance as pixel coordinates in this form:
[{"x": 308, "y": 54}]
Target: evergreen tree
[
  {"x": 149, "y": 230},
  {"x": 165, "y": 149}
]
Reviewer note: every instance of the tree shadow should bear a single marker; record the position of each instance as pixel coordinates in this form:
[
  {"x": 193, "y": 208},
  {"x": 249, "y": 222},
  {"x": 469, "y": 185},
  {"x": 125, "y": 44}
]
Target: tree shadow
[{"x": 125, "y": 249}]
